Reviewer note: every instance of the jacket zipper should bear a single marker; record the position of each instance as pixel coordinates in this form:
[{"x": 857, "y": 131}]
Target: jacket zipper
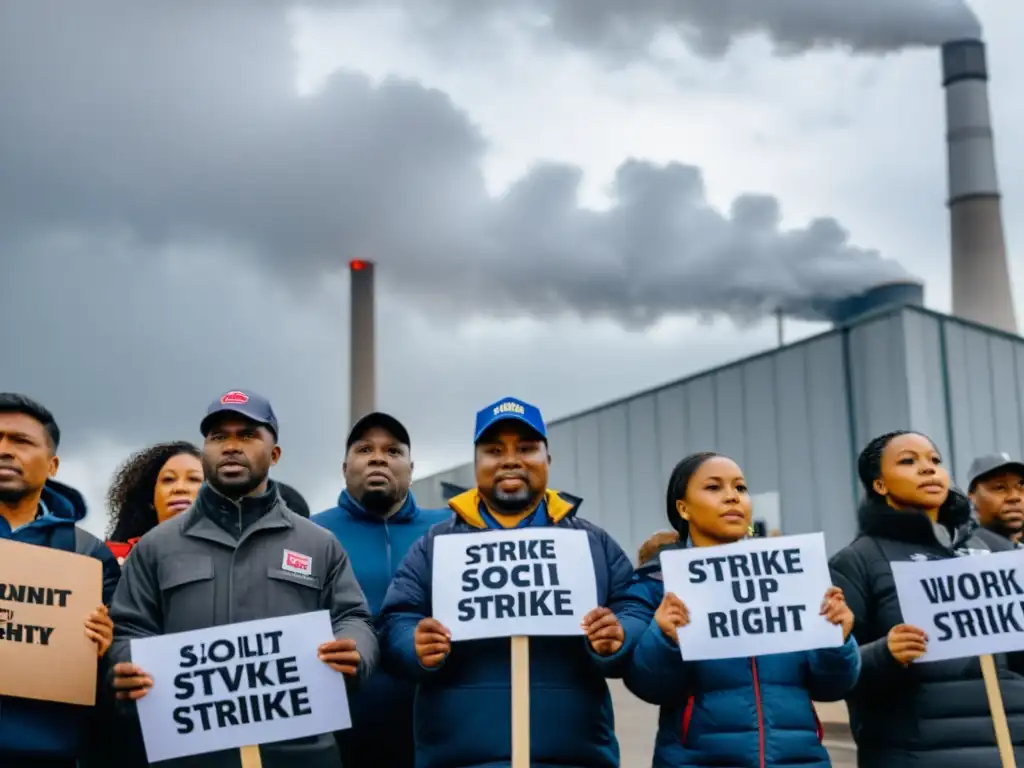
[{"x": 760, "y": 712}]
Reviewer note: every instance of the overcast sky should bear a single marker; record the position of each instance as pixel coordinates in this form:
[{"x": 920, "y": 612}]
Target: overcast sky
[{"x": 564, "y": 208}]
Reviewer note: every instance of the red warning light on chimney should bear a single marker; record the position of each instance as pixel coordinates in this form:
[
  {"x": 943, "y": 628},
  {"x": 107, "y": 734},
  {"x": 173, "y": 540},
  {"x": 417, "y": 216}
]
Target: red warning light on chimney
[{"x": 357, "y": 265}]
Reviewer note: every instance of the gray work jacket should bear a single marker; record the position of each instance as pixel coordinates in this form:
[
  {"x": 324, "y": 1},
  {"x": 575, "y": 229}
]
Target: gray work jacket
[{"x": 220, "y": 563}]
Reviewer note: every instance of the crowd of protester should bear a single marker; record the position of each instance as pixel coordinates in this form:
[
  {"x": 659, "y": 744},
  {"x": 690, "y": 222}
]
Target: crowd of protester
[{"x": 194, "y": 540}]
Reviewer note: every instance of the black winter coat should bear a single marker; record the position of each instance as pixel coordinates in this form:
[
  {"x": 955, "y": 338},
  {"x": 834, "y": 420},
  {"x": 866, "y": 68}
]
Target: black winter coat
[{"x": 936, "y": 713}]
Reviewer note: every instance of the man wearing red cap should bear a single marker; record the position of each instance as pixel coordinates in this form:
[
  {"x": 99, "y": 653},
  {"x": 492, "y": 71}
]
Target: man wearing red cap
[{"x": 224, "y": 561}]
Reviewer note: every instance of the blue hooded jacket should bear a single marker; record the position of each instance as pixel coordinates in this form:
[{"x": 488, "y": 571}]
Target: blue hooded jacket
[
  {"x": 382, "y": 708},
  {"x": 463, "y": 707},
  {"x": 44, "y": 729},
  {"x": 744, "y": 713}
]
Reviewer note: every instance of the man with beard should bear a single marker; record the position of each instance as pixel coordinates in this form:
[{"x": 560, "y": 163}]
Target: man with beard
[
  {"x": 223, "y": 561},
  {"x": 35, "y": 509},
  {"x": 377, "y": 520},
  {"x": 996, "y": 488},
  {"x": 463, "y": 697}
]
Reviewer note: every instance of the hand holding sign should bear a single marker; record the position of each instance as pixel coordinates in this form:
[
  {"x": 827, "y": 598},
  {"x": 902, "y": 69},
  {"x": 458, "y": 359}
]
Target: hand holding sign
[
  {"x": 341, "y": 656},
  {"x": 604, "y": 631},
  {"x": 835, "y": 609},
  {"x": 433, "y": 642},
  {"x": 907, "y": 643},
  {"x": 131, "y": 682},
  {"x": 100, "y": 629},
  {"x": 671, "y": 616}
]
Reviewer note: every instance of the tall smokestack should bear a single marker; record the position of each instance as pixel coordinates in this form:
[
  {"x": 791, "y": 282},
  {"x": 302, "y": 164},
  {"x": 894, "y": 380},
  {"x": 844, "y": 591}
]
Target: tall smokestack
[
  {"x": 981, "y": 277},
  {"x": 362, "y": 345}
]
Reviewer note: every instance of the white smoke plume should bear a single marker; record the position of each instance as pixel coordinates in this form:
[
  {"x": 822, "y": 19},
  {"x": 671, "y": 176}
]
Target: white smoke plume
[{"x": 624, "y": 30}]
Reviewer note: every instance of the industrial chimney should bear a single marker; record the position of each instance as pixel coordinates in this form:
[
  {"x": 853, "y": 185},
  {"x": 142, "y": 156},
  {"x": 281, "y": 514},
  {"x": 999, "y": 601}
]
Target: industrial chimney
[
  {"x": 362, "y": 345},
  {"x": 981, "y": 277}
]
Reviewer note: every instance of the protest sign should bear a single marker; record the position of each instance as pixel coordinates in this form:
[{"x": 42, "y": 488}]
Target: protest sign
[
  {"x": 968, "y": 606},
  {"x": 752, "y": 598},
  {"x": 45, "y": 597},
  {"x": 526, "y": 581},
  {"x": 239, "y": 684}
]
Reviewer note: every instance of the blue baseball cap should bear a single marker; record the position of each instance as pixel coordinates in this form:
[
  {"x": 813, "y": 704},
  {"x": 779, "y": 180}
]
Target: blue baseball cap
[
  {"x": 244, "y": 403},
  {"x": 509, "y": 409}
]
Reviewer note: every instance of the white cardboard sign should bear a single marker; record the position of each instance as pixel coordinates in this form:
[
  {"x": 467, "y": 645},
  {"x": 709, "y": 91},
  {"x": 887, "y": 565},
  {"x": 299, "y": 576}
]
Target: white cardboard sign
[
  {"x": 239, "y": 684},
  {"x": 752, "y": 598},
  {"x": 968, "y": 606},
  {"x": 520, "y": 582}
]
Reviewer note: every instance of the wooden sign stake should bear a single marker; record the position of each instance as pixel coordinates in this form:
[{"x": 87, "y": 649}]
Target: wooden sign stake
[
  {"x": 251, "y": 757},
  {"x": 995, "y": 705},
  {"x": 521, "y": 702}
]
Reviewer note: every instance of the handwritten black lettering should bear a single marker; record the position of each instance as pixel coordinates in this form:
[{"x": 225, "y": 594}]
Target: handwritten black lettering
[
  {"x": 29, "y": 595},
  {"x": 29, "y": 634},
  {"x": 771, "y": 563},
  {"x": 230, "y": 678},
  {"x": 513, "y": 579},
  {"x": 223, "y": 650},
  {"x": 989, "y": 585},
  {"x": 759, "y": 620},
  {"x": 979, "y": 621},
  {"x": 749, "y": 590},
  {"x": 531, "y": 604},
  {"x": 264, "y": 706},
  {"x": 509, "y": 551}
]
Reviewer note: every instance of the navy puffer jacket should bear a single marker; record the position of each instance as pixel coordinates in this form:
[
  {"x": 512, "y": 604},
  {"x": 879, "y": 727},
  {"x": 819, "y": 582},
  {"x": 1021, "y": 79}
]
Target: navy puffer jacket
[
  {"x": 462, "y": 708},
  {"x": 743, "y": 713}
]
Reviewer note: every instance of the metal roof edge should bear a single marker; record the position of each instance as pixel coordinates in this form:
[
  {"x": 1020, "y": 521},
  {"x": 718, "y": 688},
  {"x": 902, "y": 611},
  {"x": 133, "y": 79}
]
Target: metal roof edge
[{"x": 837, "y": 329}]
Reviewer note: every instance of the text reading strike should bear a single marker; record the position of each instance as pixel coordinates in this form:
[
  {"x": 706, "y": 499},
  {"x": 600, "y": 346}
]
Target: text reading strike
[{"x": 778, "y": 562}]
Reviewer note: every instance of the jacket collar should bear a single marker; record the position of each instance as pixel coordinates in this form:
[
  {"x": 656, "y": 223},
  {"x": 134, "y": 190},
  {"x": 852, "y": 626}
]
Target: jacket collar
[
  {"x": 217, "y": 518},
  {"x": 876, "y": 518},
  {"x": 466, "y": 507},
  {"x": 408, "y": 512}
]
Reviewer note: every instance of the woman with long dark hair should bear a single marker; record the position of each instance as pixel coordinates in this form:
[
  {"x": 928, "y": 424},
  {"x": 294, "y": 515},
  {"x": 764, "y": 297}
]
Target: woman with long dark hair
[
  {"x": 745, "y": 712},
  {"x": 901, "y": 713},
  {"x": 152, "y": 486}
]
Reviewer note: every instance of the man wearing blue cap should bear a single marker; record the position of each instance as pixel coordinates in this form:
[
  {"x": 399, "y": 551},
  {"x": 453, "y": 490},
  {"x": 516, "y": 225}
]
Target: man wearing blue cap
[
  {"x": 239, "y": 554},
  {"x": 463, "y": 697}
]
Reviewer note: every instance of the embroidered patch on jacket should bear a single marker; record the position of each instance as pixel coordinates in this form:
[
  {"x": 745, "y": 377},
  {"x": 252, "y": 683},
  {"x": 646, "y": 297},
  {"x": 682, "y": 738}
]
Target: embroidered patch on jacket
[{"x": 296, "y": 562}]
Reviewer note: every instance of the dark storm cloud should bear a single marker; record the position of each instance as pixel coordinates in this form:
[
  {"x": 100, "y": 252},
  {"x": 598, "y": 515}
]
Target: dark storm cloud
[
  {"x": 624, "y": 30},
  {"x": 178, "y": 123},
  {"x": 127, "y": 351}
]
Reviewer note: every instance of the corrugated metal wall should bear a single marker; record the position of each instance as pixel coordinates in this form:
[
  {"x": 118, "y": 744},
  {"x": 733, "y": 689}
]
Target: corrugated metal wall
[
  {"x": 794, "y": 419},
  {"x": 983, "y": 374}
]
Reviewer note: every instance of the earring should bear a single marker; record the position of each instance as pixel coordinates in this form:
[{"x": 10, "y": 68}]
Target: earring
[{"x": 750, "y": 532}]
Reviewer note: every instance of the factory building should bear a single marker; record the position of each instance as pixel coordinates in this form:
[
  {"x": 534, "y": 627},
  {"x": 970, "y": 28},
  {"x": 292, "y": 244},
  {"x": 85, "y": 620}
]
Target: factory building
[{"x": 795, "y": 419}]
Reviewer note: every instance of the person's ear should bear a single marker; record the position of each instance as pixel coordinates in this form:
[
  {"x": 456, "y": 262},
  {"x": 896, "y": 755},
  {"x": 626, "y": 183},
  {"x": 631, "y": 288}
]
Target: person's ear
[{"x": 681, "y": 509}]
